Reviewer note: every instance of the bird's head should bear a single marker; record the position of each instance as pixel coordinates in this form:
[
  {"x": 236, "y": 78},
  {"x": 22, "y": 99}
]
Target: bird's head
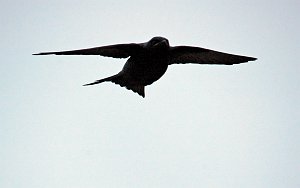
[{"x": 158, "y": 42}]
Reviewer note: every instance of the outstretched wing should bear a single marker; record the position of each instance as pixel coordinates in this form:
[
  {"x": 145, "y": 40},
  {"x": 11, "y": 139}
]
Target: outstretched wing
[
  {"x": 116, "y": 51},
  {"x": 189, "y": 54}
]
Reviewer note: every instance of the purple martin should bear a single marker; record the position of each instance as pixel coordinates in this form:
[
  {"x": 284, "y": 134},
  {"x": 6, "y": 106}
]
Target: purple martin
[{"x": 149, "y": 61}]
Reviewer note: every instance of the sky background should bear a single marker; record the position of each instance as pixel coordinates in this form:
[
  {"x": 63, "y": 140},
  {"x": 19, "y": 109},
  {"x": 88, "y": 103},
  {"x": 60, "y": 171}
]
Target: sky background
[{"x": 199, "y": 125}]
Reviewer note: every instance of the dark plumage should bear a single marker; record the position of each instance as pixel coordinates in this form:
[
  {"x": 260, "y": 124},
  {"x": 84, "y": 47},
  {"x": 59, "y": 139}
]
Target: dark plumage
[{"x": 149, "y": 61}]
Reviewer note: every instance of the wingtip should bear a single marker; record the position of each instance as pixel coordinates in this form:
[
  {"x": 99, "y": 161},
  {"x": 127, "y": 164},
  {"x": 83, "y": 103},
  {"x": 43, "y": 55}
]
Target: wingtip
[
  {"x": 247, "y": 59},
  {"x": 44, "y": 53},
  {"x": 89, "y": 84}
]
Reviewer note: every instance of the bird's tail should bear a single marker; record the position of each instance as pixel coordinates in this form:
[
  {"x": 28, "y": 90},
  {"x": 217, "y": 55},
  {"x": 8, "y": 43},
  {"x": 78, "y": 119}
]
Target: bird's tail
[
  {"x": 123, "y": 82},
  {"x": 108, "y": 79}
]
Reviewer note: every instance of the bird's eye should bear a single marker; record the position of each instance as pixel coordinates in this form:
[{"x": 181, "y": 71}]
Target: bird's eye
[{"x": 155, "y": 41}]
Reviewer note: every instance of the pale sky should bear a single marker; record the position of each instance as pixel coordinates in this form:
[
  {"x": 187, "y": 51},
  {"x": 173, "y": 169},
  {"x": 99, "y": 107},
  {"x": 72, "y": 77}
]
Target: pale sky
[{"x": 199, "y": 125}]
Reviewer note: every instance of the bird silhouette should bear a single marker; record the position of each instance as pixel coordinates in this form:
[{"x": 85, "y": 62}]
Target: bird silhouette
[{"x": 149, "y": 61}]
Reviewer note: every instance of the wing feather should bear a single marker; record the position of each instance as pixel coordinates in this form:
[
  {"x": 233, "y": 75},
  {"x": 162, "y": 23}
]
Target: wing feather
[
  {"x": 189, "y": 54},
  {"x": 116, "y": 51}
]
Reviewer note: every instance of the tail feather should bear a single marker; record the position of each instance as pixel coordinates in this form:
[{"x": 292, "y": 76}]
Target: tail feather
[
  {"x": 108, "y": 79},
  {"x": 120, "y": 80},
  {"x": 139, "y": 89}
]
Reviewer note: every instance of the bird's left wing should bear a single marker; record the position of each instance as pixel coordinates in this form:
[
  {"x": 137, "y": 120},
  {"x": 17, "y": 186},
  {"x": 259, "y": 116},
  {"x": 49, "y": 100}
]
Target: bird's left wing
[
  {"x": 116, "y": 51},
  {"x": 189, "y": 54}
]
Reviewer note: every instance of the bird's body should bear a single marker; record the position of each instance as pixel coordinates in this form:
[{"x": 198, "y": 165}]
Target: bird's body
[
  {"x": 146, "y": 68},
  {"x": 149, "y": 61}
]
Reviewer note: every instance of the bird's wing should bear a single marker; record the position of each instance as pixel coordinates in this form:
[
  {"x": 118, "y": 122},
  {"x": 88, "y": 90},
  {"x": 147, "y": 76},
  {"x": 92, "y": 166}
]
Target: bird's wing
[
  {"x": 189, "y": 54},
  {"x": 116, "y": 51}
]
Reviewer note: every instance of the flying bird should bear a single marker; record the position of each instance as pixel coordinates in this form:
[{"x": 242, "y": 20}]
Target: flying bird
[{"x": 149, "y": 61}]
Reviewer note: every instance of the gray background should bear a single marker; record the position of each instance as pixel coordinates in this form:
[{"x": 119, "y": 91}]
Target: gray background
[{"x": 199, "y": 125}]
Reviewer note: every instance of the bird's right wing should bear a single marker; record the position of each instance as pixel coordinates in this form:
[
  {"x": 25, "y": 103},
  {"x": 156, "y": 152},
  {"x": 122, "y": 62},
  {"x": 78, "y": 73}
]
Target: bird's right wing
[{"x": 116, "y": 51}]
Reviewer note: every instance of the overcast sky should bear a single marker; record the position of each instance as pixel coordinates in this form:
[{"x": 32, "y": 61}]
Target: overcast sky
[{"x": 199, "y": 125}]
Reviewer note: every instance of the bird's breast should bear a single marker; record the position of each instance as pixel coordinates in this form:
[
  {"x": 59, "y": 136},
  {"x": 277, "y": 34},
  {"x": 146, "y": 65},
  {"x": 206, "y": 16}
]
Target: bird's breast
[{"x": 146, "y": 69}]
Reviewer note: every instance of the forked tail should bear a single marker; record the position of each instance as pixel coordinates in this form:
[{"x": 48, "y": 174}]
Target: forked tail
[
  {"x": 108, "y": 79},
  {"x": 120, "y": 80}
]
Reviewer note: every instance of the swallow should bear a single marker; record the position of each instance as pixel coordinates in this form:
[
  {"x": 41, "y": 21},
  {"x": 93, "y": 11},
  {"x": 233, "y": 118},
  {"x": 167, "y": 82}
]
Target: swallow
[{"x": 147, "y": 62}]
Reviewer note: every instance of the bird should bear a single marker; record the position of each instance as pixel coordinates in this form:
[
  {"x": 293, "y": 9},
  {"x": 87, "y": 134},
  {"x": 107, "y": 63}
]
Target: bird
[{"x": 147, "y": 62}]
